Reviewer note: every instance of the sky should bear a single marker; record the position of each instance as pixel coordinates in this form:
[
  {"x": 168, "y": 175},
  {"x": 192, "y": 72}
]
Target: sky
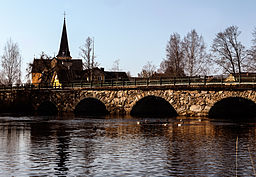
[{"x": 133, "y": 31}]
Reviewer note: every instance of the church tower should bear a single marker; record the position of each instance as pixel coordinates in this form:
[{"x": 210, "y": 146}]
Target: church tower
[{"x": 64, "y": 52}]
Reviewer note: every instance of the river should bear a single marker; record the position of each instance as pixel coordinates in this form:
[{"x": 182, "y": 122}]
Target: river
[{"x": 109, "y": 146}]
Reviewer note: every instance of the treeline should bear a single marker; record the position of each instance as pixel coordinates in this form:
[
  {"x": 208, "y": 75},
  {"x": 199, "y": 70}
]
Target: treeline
[
  {"x": 185, "y": 56},
  {"x": 188, "y": 56}
]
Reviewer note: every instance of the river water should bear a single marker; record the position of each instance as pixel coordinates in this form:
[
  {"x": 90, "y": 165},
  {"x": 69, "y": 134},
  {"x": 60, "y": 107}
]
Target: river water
[{"x": 46, "y": 146}]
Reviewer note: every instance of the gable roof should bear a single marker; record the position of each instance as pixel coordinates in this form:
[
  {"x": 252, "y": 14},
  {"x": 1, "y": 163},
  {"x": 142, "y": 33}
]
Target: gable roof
[{"x": 39, "y": 65}]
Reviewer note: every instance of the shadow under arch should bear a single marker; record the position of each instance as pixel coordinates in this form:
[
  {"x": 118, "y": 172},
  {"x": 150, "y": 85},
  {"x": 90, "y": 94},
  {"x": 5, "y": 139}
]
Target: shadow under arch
[
  {"x": 153, "y": 106},
  {"x": 236, "y": 108},
  {"x": 4, "y": 107},
  {"x": 90, "y": 107},
  {"x": 47, "y": 108},
  {"x": 20, "y": 106}
]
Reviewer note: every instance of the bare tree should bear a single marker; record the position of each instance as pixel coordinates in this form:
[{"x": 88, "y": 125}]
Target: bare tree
[
  {"x": 228, "y": 52},
  {"x": 147, "y": 70},
  {"x": 29, "y": 71},
  {"x": 173, "y": 65},
  {"x": 129, "y": 74},
  {"x": 251, "y": 64},
  {"x": 2, "y": 80},
  {"x": 11, "y": 63},
  {"x": 87, "y": 53},
  {"x": 194, "y": 54},
  {"x": 115, "y": 66}
]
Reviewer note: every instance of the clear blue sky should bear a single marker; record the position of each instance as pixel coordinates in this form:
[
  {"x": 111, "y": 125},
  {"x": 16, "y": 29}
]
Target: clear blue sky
[{"x": 134, "y": 31}]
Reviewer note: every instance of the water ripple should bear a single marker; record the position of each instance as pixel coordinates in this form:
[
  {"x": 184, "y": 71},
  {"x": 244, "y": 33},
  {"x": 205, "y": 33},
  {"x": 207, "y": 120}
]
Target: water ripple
[{"x": 124, "y": 147}]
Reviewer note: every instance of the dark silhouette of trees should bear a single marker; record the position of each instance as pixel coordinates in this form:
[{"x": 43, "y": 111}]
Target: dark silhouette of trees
[
  {"x": 251, "y": 65},
  {"x": 11, "y": 64},
  {"x": 195, "y": 55},
  {"x": 173, "y": 65},
  {"x": 228, "y": 51},
  {"x": 184, "y": 57}
]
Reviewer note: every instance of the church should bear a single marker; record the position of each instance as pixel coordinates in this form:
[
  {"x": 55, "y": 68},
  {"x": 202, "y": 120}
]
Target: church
[{"x": 63, "y": 69}]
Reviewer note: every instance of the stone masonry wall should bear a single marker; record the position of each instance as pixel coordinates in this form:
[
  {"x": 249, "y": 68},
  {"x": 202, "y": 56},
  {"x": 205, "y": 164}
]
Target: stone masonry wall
[
  {"x": 187, "y": 103},
  {"x": 121, "y": 101}
]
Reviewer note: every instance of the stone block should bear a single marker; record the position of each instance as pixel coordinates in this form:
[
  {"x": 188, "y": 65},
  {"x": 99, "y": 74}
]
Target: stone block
[{"x": 196, "y": 108}]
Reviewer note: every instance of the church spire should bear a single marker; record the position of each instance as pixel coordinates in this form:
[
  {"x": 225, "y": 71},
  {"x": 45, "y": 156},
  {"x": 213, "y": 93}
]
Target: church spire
[{"x": 64, "y": 52}]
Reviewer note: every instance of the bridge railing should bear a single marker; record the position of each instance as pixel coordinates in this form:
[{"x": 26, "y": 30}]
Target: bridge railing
[{"x": 134, "y": 82}]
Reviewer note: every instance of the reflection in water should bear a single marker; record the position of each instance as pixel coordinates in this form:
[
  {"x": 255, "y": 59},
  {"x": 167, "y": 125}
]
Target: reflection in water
[
  {"x": 63, "y": 152},
  {"x": 114, "y": 147},
  {"x": 14, "y": 147}
]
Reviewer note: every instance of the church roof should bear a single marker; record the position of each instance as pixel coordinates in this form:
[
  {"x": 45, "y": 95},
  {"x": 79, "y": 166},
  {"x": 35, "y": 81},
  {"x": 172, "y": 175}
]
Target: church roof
[
  {"x": 64, "y": 49},
  {"x": 39, "y": 65}
]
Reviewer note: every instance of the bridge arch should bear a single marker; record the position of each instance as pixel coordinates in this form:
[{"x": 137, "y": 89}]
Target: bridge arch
[
  {"x": 153, "y": 106},
  {"x": 233, "y": 107},
  {"x": 47, "y": 108},
  {"x": 21, "y": 105},
  {"x": 90, "y": 106},
  {"x": 3, "y": 106}
]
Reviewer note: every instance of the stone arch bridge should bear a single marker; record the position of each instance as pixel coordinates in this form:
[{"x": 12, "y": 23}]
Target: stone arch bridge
[{"x": 186, "y": 100}]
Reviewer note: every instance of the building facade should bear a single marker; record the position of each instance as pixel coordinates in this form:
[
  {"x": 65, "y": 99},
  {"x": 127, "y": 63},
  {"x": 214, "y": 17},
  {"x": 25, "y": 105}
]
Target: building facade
[{"x": 63, "y": 69}]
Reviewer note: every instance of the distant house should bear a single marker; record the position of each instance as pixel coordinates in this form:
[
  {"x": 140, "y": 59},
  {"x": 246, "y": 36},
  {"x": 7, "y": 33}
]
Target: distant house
[
  {"x": 39, "y": 67},
  {"x": 94, "y": 74},
  {"x": 244, "y": 76},
  {"x": 116, "y": 76},
  {"x": 159, "y": 76},
  {"x": 99, "y": 74},
  {"x": 62, "y": 69}
]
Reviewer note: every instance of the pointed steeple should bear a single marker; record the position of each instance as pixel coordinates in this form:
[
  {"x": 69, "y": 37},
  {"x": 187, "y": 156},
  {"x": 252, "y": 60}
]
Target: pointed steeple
[{"x": 64, "y": 52}]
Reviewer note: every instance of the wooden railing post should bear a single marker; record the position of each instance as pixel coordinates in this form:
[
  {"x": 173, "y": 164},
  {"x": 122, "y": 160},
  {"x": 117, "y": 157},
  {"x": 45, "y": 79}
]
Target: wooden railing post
[{"x": 204, "y": 80}]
